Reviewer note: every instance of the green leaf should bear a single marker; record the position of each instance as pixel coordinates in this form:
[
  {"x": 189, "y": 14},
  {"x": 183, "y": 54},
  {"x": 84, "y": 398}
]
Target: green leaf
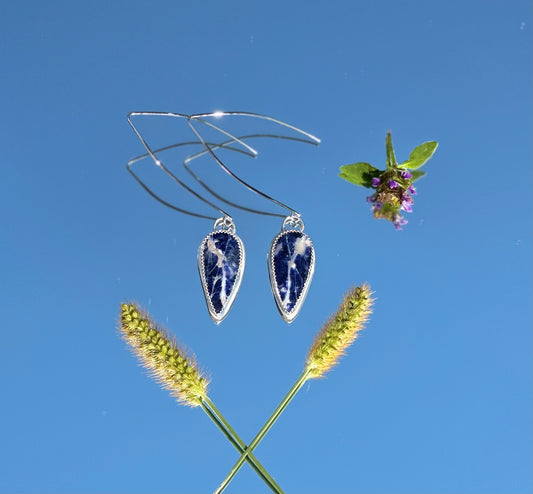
[
  {"x": 359, "y": 173},
  {"x": 420, "y": 155},
  {"x": 416, "y": 174}
]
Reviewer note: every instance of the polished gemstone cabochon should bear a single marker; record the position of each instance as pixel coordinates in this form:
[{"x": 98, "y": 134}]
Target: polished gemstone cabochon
[
  {"x": 221, "y": 263},
  {"x": 291, "y": 268}
]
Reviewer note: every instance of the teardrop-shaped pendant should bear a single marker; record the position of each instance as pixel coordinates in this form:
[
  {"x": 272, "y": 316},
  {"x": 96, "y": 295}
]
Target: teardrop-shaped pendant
[
  {"x": 221, "y": 260},
  {"x": 291, "y": 265}
]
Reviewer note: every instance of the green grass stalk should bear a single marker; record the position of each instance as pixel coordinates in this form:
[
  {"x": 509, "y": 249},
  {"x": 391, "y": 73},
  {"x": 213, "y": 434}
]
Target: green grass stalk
[
  {"x": 261, "y": 434},
  {"x": 329, "y": 345},
  {"x": 216, "y": 416}
]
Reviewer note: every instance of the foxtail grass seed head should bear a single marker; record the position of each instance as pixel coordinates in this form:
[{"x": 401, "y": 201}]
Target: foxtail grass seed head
[
  {"x": 168, "y": 363},
  {"x": 340, "y": 331}
]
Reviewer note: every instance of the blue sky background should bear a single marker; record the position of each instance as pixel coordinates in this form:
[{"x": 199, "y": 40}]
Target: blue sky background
[{"x": 436, "y": 394}]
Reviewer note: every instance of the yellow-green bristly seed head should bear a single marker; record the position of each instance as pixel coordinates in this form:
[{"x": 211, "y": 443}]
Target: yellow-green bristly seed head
[
  {"x": 174, "y": 368},
  {"x": 340, "y": 331}
]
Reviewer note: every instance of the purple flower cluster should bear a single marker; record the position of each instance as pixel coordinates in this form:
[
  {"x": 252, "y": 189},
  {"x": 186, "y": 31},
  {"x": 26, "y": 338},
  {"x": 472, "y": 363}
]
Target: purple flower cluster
[{"x": 393, "y": 193}]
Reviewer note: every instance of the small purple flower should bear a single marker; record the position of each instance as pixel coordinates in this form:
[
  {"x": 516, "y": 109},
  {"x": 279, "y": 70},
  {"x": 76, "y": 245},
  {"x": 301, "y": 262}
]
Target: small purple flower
[
  {"x": 398, "y": 221},
  {"x": 407, "y": 198},
  {"x": 405, "y": 174},
  {"x": 412, "y": 190},
  {"x": 378, "y": 205},
  {"x": 376, "y": 181},
  {"x": 393, "y": 184},
  {"x": 371, "y": 198},
  {"x": 407, "y": 202},
  {"x": 406, "y": 206}
]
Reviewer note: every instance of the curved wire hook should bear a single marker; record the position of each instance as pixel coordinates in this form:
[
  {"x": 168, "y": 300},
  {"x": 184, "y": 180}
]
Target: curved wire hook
[
  {"x": 225, "y": 144},
  {"x": 158, "y": 163},
  {"x": 177, "y": 180},
  {"x": 199, "y": 117}
]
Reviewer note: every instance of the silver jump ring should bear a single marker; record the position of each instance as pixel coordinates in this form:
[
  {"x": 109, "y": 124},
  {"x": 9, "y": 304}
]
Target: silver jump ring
[
  {"x": 225, "y": 224},
  {"x": 293, "y": 222}
]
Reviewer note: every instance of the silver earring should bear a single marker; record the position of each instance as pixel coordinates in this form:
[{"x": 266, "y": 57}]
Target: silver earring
[
  {"x": 291, "y": 265},
  {"x": 291, "y": 258},
  {"x": 221, "y": 255},
  {"x": 221, "y": 260}
]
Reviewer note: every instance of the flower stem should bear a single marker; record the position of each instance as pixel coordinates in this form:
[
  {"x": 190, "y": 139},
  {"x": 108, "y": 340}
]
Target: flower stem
[
  {"x": 216, "y": 416},
  {"x": 268, "y": 424},
  {"x": 391, "y": 158}
]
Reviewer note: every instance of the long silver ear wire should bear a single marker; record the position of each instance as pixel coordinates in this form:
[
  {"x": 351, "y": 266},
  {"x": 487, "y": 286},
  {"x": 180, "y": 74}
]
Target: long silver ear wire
[
  {"x": 221, "y": 255},
  {"x": 291, "y": 258},
  {"x": 200, "y": 117}
]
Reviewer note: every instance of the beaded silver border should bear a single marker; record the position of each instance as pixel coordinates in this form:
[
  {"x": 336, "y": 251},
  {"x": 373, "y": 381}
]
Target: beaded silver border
[
  {"x": 289, "y": 316},
  {"x": 219, "y": 317}
]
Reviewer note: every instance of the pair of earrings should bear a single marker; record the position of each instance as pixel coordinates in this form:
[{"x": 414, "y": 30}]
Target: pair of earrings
[
  {"x": 291, "y": 264},
  {"x": 221, "y": 255}
]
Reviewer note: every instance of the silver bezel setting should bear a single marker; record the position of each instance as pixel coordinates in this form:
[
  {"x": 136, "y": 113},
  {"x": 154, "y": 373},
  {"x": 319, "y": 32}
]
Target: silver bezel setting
[
  {"x": 219, "y": 317},
  {"x": 289, "y": 316}
]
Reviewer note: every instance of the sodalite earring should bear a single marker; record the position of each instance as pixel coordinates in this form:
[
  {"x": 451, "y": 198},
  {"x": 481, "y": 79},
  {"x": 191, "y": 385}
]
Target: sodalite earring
[
  {"x": 221, "y": 255},
  {"x": 291, "y": 259},
  {"x": 221, "y": 260},
  {"x": 291, "y": 265}
]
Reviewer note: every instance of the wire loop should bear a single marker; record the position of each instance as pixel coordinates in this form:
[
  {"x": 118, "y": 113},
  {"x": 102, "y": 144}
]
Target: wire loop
[
  {"x": 224, "y": 224},
  {"x": 293, "y": 222}
]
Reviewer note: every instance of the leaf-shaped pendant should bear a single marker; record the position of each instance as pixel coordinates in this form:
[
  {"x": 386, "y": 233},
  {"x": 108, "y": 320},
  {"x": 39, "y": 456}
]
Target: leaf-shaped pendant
[
  {"x": 291, "y": 264},
  {"x": 221, "y": 261}
]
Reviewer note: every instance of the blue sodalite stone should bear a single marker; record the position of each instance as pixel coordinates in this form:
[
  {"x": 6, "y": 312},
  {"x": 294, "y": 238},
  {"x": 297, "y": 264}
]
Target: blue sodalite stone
[
  {"x": 292, "y": 256},
  {"x": 221, "y": 262}
]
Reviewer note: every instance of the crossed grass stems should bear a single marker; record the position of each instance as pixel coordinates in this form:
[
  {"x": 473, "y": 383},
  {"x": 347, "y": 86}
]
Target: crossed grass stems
[{"x": 177, "y": 370}]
